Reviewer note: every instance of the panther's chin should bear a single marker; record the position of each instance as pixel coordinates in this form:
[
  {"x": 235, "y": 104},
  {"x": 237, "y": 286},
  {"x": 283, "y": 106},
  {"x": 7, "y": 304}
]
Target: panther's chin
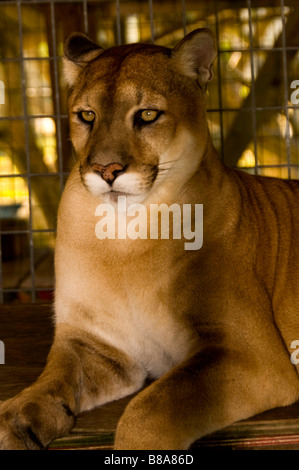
[
  {"x": 122, "y": 200},
  {"x": 112, "y": 196}
]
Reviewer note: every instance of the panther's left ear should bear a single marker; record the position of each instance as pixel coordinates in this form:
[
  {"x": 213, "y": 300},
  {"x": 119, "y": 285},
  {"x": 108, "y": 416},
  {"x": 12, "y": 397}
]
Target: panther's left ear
[
  {"x": 195, "y": 54},
  {"x": 79, "y": 50}
]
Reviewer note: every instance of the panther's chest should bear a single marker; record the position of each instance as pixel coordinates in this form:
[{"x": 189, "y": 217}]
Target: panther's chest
[
  {"x": 141, "y": 325},
  {"x": 150, "y": 335}
]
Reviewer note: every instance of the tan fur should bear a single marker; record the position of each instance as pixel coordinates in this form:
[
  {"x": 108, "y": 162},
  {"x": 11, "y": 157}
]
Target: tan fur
[{"x": 211, "y": 327}]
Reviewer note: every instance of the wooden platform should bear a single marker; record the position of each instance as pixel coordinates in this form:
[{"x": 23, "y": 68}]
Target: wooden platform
[{"x": 27, "y": 332}]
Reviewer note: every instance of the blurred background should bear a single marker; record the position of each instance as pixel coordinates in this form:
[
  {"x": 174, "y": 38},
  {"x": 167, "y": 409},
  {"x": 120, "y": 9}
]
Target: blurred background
[{"x": 253, "y": 122}]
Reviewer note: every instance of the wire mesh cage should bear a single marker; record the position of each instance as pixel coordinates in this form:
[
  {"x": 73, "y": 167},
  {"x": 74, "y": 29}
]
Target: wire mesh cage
[{"x": 252, "y": 105}]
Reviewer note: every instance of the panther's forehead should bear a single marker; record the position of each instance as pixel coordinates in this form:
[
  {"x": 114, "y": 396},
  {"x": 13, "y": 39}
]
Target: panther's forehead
[
  {"x": 130, "y": 79},
  {"x": 125, "y": 94},
  {"x": 124, "y": 52},
  {"x": 129, "y": 60}
]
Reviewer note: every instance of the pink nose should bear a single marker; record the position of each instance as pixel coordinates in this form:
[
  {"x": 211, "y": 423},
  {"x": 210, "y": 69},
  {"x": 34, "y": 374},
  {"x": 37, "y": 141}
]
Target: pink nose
[{"x": 108, "y": 172}]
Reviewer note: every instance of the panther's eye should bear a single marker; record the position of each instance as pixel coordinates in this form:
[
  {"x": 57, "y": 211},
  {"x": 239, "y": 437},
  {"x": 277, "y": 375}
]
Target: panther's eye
[
  {"x": 149, "y": 115},
  {"x": 87, "y": 116},
  {"x": 146, "y": 116}
]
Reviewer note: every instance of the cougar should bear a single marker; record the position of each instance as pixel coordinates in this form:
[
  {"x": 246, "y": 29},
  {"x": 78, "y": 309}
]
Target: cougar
[{"x": 202, "y": 337}]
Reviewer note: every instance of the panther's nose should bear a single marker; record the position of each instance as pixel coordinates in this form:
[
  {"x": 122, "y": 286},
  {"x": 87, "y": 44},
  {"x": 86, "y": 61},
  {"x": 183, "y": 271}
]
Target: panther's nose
[{"x": 108, "y": 172}]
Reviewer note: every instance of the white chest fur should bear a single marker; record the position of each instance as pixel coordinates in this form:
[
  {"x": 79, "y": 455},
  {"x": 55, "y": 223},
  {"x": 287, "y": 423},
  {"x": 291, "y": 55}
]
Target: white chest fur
[{"x": 133, "y": 318}]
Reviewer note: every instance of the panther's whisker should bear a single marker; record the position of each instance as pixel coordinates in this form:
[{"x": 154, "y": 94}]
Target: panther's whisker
[{"x": 164, "y": 163}]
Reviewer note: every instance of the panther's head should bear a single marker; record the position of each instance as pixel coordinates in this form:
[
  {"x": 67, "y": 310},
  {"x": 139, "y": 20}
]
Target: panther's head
[{"x": 137, "y": 113}]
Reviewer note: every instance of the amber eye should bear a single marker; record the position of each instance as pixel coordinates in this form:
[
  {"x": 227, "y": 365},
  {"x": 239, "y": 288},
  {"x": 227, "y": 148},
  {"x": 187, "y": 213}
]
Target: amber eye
[
  {"x": 149, "y": 115},
  {"x": 146, "y": 116},
  {"x": 87, "y": 116}
]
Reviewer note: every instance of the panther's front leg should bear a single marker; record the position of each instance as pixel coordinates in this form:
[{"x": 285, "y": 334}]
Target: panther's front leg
[
  {"x": 207, "y": 392},
  {"x": 81, "y": 372}
]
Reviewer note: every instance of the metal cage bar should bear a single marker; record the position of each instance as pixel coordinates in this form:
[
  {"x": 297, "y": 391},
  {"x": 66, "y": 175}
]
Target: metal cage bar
[{"x": 26, "y": 124}]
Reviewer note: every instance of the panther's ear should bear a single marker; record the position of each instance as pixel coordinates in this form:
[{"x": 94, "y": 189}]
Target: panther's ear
[
  {"x": 195, "y": 55},
  {"x": 78, "y": 51}
]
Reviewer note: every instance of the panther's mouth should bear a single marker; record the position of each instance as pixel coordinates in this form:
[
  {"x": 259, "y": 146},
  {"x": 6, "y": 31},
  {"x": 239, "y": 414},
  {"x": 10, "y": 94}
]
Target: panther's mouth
[{"x": 132, "y": 185}]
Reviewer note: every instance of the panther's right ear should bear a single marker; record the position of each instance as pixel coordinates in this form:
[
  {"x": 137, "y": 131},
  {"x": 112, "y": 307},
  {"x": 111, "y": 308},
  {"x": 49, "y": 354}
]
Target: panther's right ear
[{"x": 78, "y": 51}]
